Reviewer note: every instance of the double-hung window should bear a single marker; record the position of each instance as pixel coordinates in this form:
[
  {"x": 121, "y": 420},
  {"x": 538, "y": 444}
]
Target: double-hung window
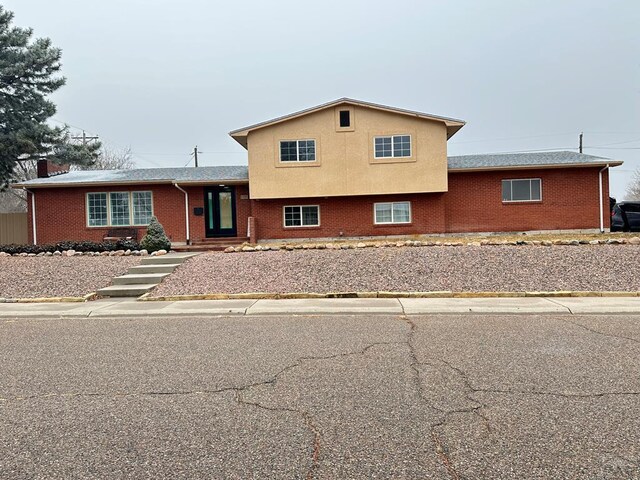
[
  {"x": 392, "y": 212},
  {"x": 298, "y": 151},
  {"x": 522, "y": 190},
  {"x": 395, "y": 146},
  {"x": 117, "y": 209},
  {"x": 302, "y": 216}
]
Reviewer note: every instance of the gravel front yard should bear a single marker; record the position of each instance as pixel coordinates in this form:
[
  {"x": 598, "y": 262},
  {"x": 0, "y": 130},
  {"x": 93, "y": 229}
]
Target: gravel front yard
[
  {"x": 30, "y": 277},
  {"x": 486, "y": 268}
]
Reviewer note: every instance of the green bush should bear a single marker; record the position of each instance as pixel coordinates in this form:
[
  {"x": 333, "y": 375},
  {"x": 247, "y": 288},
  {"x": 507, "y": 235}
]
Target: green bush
[
  {"x": 82, "y": 246},
  {"x": 155, "y": 239}
]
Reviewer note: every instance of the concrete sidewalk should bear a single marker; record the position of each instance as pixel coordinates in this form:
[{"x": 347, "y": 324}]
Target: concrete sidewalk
[{"x": 409, "y": 306}]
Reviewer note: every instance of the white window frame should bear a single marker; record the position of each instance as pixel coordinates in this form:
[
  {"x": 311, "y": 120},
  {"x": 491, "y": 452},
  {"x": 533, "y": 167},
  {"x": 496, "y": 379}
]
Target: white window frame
[
  {"x": 511, "y": 180},
  {"x": 284, "y": 218},
  {"x": 392, "y": 222},
  {"x": 297, "y": 160},
  {"x": 391, "y": 137},
  {"x": 109, "y": 223}
]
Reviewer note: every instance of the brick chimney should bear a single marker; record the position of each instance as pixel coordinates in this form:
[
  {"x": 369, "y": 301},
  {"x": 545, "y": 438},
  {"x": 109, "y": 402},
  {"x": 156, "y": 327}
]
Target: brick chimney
[{"x": 46, "y": 169}]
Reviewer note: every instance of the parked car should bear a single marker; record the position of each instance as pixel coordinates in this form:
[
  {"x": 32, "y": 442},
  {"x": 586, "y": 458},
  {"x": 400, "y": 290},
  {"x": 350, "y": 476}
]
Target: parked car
[{"x": 625, "y": 217}]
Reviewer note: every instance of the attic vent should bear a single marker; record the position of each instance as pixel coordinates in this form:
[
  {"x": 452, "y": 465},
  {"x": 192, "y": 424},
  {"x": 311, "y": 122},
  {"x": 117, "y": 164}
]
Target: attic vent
[{"x": 345, "y": 118}]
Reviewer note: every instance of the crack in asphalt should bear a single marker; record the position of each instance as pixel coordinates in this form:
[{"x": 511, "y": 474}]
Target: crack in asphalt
[
  {"x": 238, "y": 390},
  {"x": 598, "y": 332},
  {"x": 438, "y": 445}
]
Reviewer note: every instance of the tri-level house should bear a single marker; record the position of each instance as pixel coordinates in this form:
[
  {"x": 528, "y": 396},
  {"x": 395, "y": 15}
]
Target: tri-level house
[{"x": 343, "y": 169}]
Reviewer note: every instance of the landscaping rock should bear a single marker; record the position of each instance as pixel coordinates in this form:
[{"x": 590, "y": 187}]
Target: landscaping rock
[
  {"x": 634, "y": 241},
  {"x": 229, "y": 250},
  {"x": 162, "y": 251},
  {"x": 144, "y": 252},
  {"x": 361, "y": 245},
  {"x": 248, "y": 249}
]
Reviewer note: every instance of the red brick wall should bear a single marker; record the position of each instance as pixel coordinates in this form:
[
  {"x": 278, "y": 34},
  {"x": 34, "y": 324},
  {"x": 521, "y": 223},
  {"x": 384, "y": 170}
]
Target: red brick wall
[
  {"x": 61, "y": 212},
  {"x": 351, "y": 216},
  {"x": 473, "y": 203},
  {"x": 569, "y": 201}
]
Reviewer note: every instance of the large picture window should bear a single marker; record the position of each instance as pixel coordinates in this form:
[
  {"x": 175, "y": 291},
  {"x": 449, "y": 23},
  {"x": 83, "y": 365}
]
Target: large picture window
[
  {"x": 522, "y": 190},
  {"x": 392, "y": 212},
  {"x": 396, "y": 146},
  {"x": 118, "y": 209},
  {"x": 298, "y": 151},
  {"x": 302, "y": 216}
]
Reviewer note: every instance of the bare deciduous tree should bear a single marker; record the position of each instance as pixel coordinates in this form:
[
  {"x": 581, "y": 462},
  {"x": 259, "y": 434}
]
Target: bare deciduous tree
[
  {"x": 13, "y": 200},
  {"x": 633, "y": 189}
]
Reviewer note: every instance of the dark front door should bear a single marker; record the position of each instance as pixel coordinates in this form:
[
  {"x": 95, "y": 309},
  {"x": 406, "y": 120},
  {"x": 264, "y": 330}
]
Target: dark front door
[{"x": 220, "y": 211}]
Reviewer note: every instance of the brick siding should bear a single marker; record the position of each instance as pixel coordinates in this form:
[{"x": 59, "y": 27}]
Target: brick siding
[{"x": 473, "y": 203}]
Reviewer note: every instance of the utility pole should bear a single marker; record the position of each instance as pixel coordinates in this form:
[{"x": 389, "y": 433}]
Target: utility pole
[
  {"x": 581, "y": 134},
  {"x": 195, "y": 155},
  {"x": 84, "y": 138}
]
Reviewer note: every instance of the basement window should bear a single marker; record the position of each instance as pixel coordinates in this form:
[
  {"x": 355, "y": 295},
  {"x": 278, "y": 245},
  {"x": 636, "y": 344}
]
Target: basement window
[
  {"x": 302, "y": 216},
  {"x": 392, "y": 212},
  {"x": 522, "y": 190}
]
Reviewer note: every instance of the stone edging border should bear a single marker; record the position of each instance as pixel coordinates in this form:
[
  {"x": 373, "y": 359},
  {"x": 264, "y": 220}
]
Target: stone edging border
[
  {"x": 439, "y": 294},
  {"x": 84, "y": 298},
  {"x": 418, "y": 243}
]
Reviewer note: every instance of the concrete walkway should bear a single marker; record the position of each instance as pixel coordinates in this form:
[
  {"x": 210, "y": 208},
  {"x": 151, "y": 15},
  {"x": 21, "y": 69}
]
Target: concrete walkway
[{"x": 408, "y": 306}]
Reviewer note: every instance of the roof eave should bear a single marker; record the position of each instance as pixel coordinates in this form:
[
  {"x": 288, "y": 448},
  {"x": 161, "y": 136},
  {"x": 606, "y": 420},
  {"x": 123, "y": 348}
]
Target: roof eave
[
  {"x": 240, "y": 135},
  {"x": 127, "y": 183},
  {"x": 613, "y": 163}
]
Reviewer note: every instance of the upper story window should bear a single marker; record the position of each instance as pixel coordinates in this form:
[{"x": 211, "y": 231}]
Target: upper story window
[
  {"x": 345, "y": 118},
  {"x": 522, "y": 190},
  {"x": 106, "y": 209},
  {"x": 297, "y": 150},
  {"x": 396, "y": 146}
]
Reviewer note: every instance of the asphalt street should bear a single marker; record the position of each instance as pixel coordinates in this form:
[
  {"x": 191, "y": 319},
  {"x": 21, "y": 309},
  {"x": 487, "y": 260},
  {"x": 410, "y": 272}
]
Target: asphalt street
[{"x": 323, "y": 397}]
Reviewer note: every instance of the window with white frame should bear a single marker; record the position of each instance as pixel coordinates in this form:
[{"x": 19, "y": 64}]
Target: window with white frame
[
  {"x": 522, "y": 190},
  {"x": 297, "y": 150},
  {"x": 117, "y": 209},
  {"x": 395, "y": 146},
  {"x": 392, "y": 212},
  {"x": 302, "y": 216}
]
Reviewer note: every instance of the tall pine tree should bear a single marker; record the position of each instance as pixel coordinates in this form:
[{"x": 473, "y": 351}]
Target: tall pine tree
[{"x": 28, "y": 73}]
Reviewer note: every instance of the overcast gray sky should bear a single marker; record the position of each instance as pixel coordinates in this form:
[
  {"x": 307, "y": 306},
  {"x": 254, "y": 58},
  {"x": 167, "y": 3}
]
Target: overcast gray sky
[{"x": 162, "y": 76}]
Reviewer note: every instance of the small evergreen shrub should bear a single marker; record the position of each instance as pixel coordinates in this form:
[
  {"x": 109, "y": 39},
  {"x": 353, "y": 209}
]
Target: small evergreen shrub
[
  {"x": 155, "y": 239},
  {"x": 82, "y": 246}
]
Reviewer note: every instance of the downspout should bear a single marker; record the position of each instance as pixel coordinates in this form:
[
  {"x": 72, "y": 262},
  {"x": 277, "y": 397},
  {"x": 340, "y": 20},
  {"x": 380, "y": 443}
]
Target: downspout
[
  {"x": 186, "y": 210},
  {"x": 600, "y": 190},
  {"x": 33, "y": 213}
]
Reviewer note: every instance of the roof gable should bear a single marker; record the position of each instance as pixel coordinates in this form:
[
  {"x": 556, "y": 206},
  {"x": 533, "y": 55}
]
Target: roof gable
[{"x": 452, "y": 124}]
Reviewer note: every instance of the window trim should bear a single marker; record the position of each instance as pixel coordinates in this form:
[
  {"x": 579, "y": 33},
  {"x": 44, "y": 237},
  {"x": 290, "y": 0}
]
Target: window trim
[
  {"x": 109, "y": 223},
  {"x": 392, "y": 222},
  {"x": 284, "y": 219},
  {"x": 298, "y": 161},
  {"x": 393, "y": 157},
  {"x": 511, "y": 180}
]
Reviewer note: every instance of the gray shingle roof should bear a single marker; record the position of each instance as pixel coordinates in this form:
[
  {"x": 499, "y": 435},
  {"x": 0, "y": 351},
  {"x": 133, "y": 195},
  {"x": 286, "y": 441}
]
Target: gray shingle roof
[
  {"x": 514, "y": 160},
  {"x": 146, "y": 175},
  {"x": 240, "y": 173}
]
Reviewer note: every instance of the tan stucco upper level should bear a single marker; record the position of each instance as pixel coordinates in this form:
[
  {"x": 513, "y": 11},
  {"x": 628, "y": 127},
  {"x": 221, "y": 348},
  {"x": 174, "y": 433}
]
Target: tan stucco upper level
[{"x": 345, "y": 162}]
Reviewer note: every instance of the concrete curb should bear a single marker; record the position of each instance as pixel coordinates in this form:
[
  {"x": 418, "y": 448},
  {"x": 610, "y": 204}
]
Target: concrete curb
[
  {"x": 437, "y": 294},
  {"x": 84, "y": 298}
]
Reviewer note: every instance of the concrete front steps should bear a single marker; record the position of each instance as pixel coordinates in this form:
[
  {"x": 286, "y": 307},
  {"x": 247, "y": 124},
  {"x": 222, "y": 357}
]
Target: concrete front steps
[
  {"x": 211, "y": 244},
  {"x": 144, "y": 277}
]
